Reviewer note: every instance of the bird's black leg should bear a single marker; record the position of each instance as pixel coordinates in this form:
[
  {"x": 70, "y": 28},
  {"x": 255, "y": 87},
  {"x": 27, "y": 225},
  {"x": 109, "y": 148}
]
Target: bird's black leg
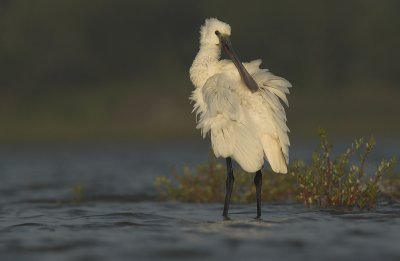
[
  {"x": 229, "y": 186},
  {"x": 258, "y": 184}
]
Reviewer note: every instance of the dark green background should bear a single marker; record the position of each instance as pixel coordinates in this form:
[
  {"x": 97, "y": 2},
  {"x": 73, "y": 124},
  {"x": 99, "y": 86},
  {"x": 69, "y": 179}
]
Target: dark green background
[{"x": 116, "y": 71}]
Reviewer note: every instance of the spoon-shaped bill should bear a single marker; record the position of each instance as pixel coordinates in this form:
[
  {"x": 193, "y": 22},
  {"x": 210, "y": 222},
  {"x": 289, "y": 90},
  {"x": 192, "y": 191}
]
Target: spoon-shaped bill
[{"x": 246, "y": 77}]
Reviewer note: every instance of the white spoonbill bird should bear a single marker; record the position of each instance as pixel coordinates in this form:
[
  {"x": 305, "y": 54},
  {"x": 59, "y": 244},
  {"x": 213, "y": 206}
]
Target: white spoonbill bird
[{"x": 240, "y": 106}]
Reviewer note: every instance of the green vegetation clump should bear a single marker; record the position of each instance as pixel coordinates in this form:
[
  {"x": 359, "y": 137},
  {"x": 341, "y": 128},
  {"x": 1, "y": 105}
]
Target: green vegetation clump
[
  {"x": 336, "y": 182},
  {"x": 326, "y": 182},
  {"x": 78, "y": 192},
  {"x": 390, "y": 186},
  {"x": 206, "y": 183}
]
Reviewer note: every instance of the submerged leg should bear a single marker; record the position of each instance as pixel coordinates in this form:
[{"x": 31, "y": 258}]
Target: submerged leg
[
  {"x": 258, "y": 184},
  {"x": 229, "y": 186}
]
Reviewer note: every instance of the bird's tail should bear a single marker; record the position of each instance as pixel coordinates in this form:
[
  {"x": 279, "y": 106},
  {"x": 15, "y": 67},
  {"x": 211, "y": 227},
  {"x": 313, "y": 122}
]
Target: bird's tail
[{"x": 273, "y": 153}]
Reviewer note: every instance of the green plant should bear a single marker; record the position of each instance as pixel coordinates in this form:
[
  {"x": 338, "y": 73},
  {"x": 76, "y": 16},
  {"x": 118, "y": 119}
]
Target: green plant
[
  {"x": 206, "y": 183},
  {"x": 336, "y": 182},
  {"x": 390, "y": 186},
  {"x": 78, "y": 193},
  {"x": 327, "y": 182}
]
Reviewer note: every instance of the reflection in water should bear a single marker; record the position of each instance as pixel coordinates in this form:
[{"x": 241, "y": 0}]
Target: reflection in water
[{"x": 238, "y": 229}]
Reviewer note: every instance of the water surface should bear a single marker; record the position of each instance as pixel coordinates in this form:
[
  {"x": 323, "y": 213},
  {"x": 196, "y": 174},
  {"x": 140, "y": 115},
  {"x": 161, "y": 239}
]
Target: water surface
[{"x": 120, "y": 218}]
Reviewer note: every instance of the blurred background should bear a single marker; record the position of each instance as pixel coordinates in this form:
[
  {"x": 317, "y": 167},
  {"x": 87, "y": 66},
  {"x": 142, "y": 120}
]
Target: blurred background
[{"x": 117, "y": 71}]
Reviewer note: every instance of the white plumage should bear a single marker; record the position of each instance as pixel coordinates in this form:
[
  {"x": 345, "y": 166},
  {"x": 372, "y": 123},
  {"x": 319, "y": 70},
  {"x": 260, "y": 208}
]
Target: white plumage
[{"x": 247, "y": 126}]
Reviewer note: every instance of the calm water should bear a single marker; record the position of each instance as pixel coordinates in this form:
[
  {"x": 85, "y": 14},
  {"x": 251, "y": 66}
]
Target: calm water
[{"x": 121, "y": 220}]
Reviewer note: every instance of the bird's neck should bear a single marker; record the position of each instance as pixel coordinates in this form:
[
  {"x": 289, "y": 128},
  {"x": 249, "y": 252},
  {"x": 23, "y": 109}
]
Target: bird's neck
[
  {"x": 204, "y": 64},
  {"x": 210, "y": 53}
]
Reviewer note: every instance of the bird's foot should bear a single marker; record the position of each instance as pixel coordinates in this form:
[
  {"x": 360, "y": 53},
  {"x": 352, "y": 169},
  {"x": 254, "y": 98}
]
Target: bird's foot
[{"x": 226, "y": 218}]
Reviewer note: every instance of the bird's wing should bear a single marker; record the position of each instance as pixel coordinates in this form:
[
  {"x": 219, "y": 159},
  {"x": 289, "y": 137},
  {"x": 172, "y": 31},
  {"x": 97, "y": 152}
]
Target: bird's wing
[
  {"x": 253, "y": 66},
  {"x": 267, "y": 81},
  {"x": 199, "y": 106},
  {"x": 232, "y": 134},
  {"x": 271, "y": 116}
]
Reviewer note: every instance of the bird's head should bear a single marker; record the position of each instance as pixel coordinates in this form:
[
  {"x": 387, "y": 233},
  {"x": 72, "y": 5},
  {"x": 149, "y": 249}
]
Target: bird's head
[
  {"x": 216, "y": 33},
  {"x": 210, "y": 31}
]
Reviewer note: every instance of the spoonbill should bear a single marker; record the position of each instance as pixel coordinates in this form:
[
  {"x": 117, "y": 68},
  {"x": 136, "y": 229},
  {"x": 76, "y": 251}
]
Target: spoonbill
[{"x": 240, "y": 106}]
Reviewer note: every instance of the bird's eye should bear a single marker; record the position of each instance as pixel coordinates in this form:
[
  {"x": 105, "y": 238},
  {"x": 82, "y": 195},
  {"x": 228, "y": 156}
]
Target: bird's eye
[{"x": 217, "y": 33}]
